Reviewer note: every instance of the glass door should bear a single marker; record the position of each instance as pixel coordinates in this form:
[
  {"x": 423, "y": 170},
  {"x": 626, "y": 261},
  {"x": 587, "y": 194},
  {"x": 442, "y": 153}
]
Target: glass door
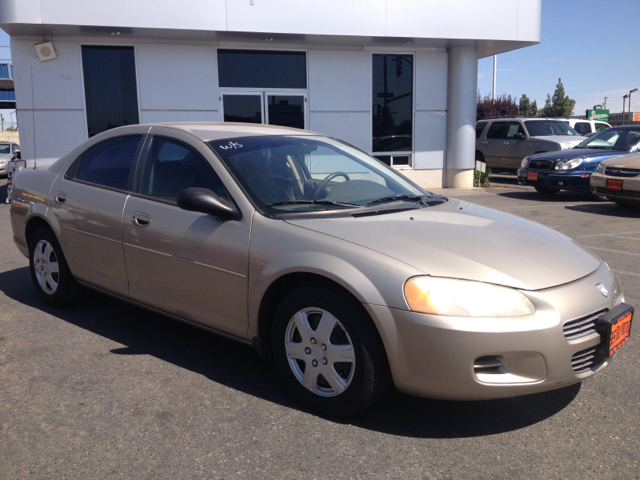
[
  {"x": 271, "y": 108},
  {"x": 242, "y": 107}
]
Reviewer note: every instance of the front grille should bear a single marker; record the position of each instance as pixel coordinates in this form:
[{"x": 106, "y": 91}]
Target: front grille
[
  {"x": 581, "y": 327},
  {"x": 621, "y": 172},
  {"x": 618, "y": 193},
  {"x": 540, "y": 164},
  {"x": 586, "y": 360}
]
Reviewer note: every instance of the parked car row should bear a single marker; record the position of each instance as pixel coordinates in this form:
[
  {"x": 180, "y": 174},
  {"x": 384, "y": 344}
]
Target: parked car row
[{"x": 341, "y": 270}]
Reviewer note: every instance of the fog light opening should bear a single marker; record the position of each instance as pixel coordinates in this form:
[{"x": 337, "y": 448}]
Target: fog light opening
[{"x": 488, "y": 364}]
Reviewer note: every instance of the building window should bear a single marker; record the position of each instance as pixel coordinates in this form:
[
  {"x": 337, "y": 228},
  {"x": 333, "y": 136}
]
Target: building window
[
  {"x": 262, "y": 69},
  {"x": 109, "y": 87},
  {"x": 393, "y": 109},
  {"x": 5, "y": 70}
]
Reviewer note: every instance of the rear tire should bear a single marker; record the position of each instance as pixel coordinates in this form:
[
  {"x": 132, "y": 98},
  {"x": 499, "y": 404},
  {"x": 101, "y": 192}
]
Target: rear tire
[
  {"x": 547, "y": 190},
  {"x": 328, "y": 352},
  {"x": 49, "y": 270}
]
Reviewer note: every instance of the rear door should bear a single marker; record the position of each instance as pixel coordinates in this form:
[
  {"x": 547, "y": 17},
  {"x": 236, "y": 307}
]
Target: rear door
[{"x": 88, "y": 203}]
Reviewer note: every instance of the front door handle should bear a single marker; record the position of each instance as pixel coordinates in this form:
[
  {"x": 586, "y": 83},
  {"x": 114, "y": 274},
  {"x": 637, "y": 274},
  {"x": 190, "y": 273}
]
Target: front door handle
[
  {"x": 484, "y": 142},
  {"x": 505, "y": 143},
  {"x": 60, "y": 198},
  {"x": 141, "y": 219}
]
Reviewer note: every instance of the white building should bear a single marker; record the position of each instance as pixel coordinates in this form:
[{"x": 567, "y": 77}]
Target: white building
[{"x": 397, "y": 78}]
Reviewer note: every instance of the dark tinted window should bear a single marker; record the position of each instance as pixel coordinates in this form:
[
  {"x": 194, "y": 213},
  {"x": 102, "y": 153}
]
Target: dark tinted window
[
  {"x": 108, "y": 163},
  {"x": 109, "y": 87},
  {"x": 172, "y": 166},
  {"x": 479, "y": 128},
  {"x": 392, "y": 102},
  {"x": 498, "y": 130},
  {"x": 262, "y": 69},
  {"x": 582, "y": 128}
]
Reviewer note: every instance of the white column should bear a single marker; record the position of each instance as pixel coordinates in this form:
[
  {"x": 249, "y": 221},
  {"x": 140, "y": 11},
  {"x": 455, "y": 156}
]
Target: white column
[{"x": 461, "y": 116}]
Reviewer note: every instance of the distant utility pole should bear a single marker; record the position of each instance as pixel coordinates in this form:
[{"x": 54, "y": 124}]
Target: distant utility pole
[
  {"x": 495, "y": 70},
  {"x": 604, "y": 105}
]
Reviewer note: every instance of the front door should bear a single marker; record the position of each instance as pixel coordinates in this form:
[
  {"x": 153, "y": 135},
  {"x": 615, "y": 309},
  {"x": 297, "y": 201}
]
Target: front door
[
  {"x": 189, "y": 264},
  {"x": 287, "y": 109}
]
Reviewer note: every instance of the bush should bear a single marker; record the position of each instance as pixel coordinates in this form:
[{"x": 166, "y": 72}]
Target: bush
[{"x": 482, "y": 179}]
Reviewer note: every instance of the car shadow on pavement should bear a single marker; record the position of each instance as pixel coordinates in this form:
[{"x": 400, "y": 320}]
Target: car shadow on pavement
[
  {"x": 563, "y": 196},
  {"x": 609, "y": 209},
  {"x": 239, "y": 367}
]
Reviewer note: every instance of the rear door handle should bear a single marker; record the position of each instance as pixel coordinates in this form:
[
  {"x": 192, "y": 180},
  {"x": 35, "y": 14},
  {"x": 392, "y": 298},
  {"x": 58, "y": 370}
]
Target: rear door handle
[
  {"x": 60, "y": 198},
  {"x": 505, "y": 143},
  {"x": 141, "y": 219},
  {"x": 484, "y": 142}
]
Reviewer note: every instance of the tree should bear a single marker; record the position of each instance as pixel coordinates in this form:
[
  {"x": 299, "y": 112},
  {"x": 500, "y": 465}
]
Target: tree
[
  {"x": 547, "y": 110},
  {"x": 502, "y": 106},
  {"x": 562, "y": 105},
  {"x": 526, "y": 108}
]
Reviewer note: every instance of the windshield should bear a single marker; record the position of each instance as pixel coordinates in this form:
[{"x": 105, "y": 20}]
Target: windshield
[
  {"x": 541, "y": 128},
  {"x": 5, "y": 149},
  {"x": 309, "y": 174},
  {"x": 622, "y": 139}
]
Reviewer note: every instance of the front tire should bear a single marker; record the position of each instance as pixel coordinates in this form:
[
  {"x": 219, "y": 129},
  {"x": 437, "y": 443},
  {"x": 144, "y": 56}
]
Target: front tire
[
  {"x": 49, "y": 270},
  {"x": 327, "y": 351}
]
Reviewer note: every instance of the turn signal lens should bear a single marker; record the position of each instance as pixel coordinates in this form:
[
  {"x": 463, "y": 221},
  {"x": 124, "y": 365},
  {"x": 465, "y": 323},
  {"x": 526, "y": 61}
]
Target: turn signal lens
[{"x": 463, "y": 298}]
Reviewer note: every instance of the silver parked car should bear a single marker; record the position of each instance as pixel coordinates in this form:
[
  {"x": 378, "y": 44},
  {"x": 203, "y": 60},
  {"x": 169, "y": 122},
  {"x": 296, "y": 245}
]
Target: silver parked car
[
  {"x": 343, "y": 271},
  {"x": 504, "y": 142},
  {"x": 8, "y": 151}
]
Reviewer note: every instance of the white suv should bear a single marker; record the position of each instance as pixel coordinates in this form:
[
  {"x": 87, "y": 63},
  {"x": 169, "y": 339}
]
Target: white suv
[{"x": 585, "y": 127}]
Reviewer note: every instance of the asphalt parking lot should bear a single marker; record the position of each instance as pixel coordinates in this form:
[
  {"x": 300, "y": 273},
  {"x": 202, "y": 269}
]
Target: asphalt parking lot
[{"x": 107, "y": 390}]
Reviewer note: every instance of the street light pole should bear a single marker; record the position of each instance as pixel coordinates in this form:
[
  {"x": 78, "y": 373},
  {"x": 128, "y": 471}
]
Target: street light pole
[
  {"x": 624, "y": 101},
  {"x": 630, "y": 92}
]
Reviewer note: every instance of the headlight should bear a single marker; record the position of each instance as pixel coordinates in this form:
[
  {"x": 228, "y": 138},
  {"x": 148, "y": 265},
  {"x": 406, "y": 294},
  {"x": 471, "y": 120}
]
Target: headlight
[
  {"x": 524, "y": 162},
  {"x": 463, "y": 298},
  {"x": 566, "y": 146},
  {"x": 600, "y": 168},
  {"x": 569, "y": 164}
]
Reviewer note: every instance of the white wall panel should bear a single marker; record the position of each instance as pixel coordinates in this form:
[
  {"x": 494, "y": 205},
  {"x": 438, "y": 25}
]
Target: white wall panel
[
  {"x": 153, "y": 116},
  {"x": 339, "y": 80},
  {"x": 320, "y": 17},
  {"x": 177, "y": 77},
  {"x": 20, "y": 11},
  {"x": 488, "y": 19},
  {"x": 353, "y": 128},
  {"x": 529, "y": 20},
  {"x": 56, "y": 133},
  {"x": 174, "y": 14},
  {"x": 431, "y": 80},
  {"x": 57, "y": 84},
  {"x": 430, "y": 139}
]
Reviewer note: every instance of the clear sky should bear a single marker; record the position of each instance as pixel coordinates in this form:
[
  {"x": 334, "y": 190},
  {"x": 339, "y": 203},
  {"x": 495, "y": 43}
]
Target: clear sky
[{"x": 592, "y": 45}]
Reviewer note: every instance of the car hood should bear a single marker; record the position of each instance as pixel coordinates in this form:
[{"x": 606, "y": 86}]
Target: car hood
[
  {"x": 5, "y": 156},
  {"x": 587, "y": 153},
  {"x": 461, "y": 240},
  {"x": 561, "y": 138},
  {"x": 631, "y": 160}
]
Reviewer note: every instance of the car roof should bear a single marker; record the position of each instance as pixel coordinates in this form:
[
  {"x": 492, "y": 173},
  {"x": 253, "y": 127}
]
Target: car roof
[{"x": 207, "y": 131}]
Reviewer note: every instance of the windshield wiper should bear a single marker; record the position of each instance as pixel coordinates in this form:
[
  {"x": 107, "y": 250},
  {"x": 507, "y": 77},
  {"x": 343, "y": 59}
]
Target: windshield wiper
[
  {"x": 600, "y": 147},
  {"x": 313, "y": 202},
  {"x": 397, "y": 197}
]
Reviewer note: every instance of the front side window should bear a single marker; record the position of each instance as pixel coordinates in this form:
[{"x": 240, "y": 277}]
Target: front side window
[
  {"x": 109, "y": 87},
  {"x": 108, "y": 163},
  {"x": 542, "y": 128},
  {"x": 393, "y": 108},
  {"x": 305, "y": 174},
  {"x": 514, "y": 127},
  {"x": 172, "y": 167}
]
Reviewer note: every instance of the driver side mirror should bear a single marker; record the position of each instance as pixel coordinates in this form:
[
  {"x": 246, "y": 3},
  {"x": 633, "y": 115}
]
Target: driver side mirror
[
  {"x": 519, "y": 136},
  {"x": 203, "y": 200},
  {"x": 16, "y": 155}
]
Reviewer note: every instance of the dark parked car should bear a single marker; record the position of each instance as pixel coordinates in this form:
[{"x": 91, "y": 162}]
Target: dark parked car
[{"x": 571, "y": 169}]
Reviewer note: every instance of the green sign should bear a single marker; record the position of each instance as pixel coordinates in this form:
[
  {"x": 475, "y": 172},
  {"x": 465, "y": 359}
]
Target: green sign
[{"x": 602, "y": 115}]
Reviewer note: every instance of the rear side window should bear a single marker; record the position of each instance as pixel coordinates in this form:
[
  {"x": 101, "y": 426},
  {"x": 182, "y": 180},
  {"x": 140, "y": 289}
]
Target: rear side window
[
  {"x": 107, "y": 164},
  {"x": 479, "y": 128},
  {"x": 497, "y": 130},
  {"x": 582, "y": 128}
]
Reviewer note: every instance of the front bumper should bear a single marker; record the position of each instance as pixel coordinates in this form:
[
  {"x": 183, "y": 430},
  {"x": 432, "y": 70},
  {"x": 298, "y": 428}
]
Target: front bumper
[
  {"x": 630, "y": 187},
  {"x": 483, "y": 358},
  {"x": 578, "y": 181}
]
